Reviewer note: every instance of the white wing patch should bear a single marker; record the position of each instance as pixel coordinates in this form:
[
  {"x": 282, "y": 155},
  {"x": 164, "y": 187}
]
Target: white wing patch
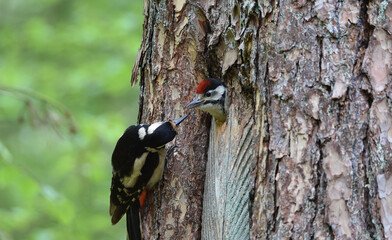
[
  {"x": 130, "y": 181},
  {"x": 142, "y": 133},
  {"x": 153, "y": 126}
]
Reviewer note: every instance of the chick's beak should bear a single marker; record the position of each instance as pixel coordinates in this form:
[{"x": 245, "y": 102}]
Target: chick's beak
[
  {"x": 194, "y": 103},
  {"x": 178, "y": 121}
]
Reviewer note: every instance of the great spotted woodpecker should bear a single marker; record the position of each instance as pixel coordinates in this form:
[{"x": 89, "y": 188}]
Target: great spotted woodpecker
[
  {"x": 212, "y": 98},
  {"x": 138, "y": 161}
]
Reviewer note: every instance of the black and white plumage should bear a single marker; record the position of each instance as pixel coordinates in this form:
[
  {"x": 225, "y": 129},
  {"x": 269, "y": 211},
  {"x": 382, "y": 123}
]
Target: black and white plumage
[
  {"x": 211, "y": 98},
  {"x": 138, "y": 161}
]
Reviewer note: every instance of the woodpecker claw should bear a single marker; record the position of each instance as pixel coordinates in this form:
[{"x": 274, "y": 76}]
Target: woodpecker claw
[
  {"x": 194, "y": 103},
  {"x": 178, "y": 121}
]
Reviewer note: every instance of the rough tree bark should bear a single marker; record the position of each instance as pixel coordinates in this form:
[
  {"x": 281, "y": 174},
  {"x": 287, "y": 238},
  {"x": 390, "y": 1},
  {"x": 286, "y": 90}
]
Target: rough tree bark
[{"x": 306, "y": 151}]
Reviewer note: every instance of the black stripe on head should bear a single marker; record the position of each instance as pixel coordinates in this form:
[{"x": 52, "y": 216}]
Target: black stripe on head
[{"x": 214, "y": 84}]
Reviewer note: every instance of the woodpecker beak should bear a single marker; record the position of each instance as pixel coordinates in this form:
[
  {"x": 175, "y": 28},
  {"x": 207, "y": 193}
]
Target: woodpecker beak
[
  {"x": 194, "y": 103},
  {"x": 178, "y": 121}
]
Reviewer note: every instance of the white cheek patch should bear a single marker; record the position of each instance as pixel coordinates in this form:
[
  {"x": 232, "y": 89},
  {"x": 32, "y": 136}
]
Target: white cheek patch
[
  {"x": 142, "y": 133},
  {"x": 153, "y": 126},
  {"x": 220, "y": 92},
  {"x": 216, "y": 94}
]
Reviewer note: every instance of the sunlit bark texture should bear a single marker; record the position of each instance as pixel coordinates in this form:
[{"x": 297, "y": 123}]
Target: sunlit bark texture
[{"x": 306, "y": 151}]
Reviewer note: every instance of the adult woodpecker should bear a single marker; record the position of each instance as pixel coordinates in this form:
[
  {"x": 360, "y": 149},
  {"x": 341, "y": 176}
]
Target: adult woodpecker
[
  {"x": 138, "y": 161},
  {"x": 212, "y": 98}
]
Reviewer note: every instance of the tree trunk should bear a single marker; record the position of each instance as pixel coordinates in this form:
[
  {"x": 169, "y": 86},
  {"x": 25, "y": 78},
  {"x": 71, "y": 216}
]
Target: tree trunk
[{"x": 306, "y": 151}]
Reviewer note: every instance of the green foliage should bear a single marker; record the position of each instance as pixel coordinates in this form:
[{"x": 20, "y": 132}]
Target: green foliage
[{"x": 65, "y": 98}]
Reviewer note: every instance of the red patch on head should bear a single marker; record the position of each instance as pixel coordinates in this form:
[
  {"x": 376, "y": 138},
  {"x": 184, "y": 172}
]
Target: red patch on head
[{"x": 202, "y": 86}]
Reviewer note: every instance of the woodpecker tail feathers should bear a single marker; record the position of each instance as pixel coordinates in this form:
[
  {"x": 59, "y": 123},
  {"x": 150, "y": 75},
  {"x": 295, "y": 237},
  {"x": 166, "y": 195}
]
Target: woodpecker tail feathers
[
  {"x": 133, "y": 222},
  {"x": 116, "y": 212}
]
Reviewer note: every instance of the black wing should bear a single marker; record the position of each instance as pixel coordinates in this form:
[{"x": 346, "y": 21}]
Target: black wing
[{"x": 128, "y": 148}]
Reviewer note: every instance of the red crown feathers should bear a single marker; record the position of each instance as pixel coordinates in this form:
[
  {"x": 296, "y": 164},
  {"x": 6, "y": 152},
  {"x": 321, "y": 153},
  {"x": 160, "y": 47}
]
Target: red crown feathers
[{"x": 202, "y": 86}]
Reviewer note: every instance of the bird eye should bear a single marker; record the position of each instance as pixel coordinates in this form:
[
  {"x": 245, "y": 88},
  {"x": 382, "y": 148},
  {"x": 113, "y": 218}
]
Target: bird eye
[{"x": 208, "y": 94}]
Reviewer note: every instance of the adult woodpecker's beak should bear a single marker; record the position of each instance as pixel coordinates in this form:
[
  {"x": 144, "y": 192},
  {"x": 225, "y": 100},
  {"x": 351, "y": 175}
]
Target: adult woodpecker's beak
[
  {"x": 178, "y": 121},
  {"x": 194, "y": 103}
]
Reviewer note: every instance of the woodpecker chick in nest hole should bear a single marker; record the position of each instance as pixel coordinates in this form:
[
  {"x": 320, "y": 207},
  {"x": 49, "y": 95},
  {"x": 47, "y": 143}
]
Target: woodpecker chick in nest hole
[{"x": 211, "y": 98}]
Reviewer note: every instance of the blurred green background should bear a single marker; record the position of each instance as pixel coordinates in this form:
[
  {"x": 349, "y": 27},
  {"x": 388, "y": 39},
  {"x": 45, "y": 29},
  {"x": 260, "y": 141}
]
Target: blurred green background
[{"x": 65, "y": 98}]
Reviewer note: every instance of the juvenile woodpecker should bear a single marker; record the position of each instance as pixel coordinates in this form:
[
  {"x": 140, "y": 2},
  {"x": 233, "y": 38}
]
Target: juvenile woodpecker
[
  {"x": 138, "y": 161},
  {"x": 211, "y": 98}
]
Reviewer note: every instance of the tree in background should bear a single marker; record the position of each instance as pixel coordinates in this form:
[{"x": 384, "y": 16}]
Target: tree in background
[{"x": 306, "y": 148}]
